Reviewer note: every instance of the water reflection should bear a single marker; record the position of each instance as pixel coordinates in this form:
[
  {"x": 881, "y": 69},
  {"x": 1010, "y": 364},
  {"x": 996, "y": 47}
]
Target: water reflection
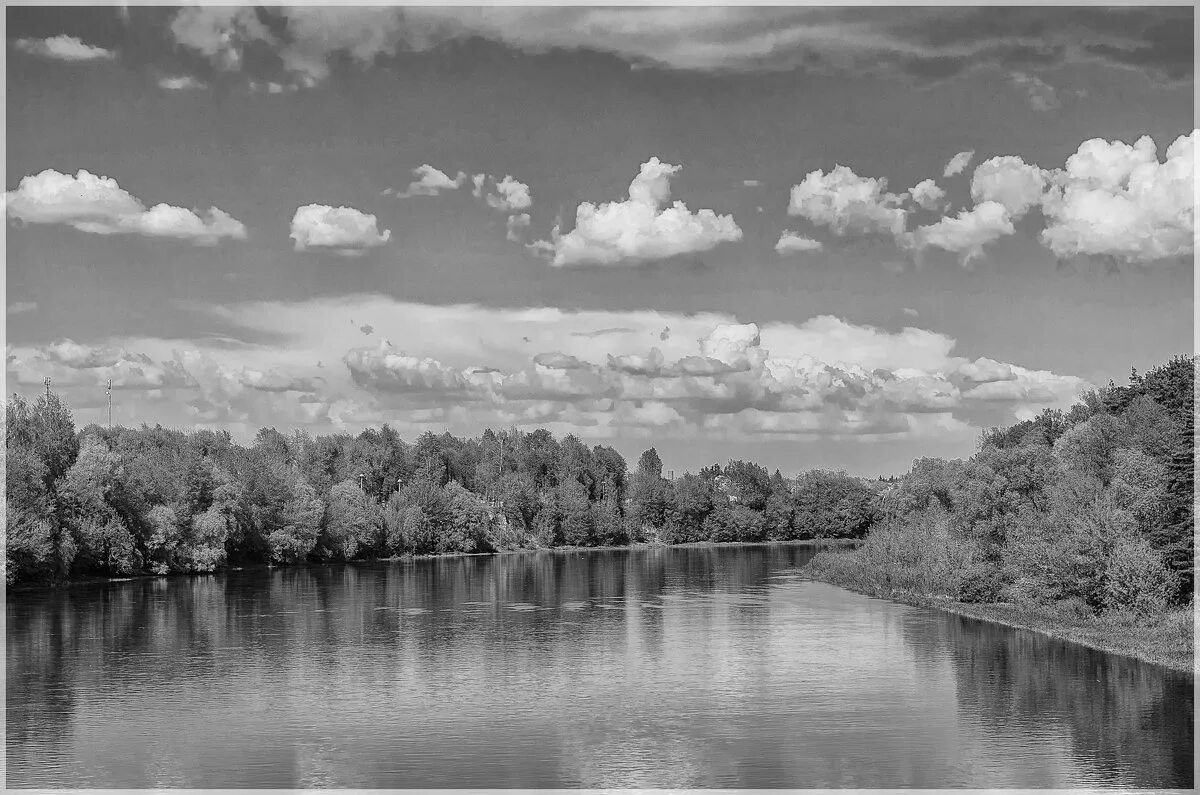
[{"x": 698, "y": 667}]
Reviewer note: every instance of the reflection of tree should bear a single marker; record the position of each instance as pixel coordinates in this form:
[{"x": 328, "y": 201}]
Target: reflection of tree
[
  {"x": 1129, "y": 721},
  {"x": 268, "y": 656}
]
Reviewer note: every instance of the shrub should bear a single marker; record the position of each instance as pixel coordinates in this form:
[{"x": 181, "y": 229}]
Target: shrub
[{"x": 1137, "y": 579}]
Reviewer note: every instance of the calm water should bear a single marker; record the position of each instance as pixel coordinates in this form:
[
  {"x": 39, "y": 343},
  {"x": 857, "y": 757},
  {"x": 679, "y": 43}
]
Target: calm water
[{"x": 697, "y": 667}]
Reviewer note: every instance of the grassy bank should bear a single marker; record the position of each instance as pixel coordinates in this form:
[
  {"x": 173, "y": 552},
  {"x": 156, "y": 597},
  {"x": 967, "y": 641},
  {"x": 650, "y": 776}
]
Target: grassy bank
[{"x": 1167, "y": 639}]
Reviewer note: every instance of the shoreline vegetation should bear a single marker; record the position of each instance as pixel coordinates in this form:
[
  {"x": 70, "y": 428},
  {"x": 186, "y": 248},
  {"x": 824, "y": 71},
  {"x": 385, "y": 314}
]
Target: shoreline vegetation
[
  {"x": 1077, "y": 523},
  {"x": 818, "y": 543},
  {"x": 1166, "y": 640}
]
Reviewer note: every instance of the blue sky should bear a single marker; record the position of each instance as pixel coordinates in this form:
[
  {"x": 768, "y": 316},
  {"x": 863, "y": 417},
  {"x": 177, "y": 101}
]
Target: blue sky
[{"x": 567, "y": 291}]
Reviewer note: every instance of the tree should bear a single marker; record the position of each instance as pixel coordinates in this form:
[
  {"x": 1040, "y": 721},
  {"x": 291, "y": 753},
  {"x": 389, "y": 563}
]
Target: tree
[
  {"x": 692, "y": 502},
  {"x": 750, "y": 484},
  {"x": 353, "y": 522},
  {"x": 89, "y": 493},
  {"x": 206, "y": 547},
  {"x": 295, "y": 537},
  {"x": 577, "y": 520},
  {"x": 1136, "y": 578},
  {"x": 648, "y": 492},
  {"x": 468, "y": 528}
]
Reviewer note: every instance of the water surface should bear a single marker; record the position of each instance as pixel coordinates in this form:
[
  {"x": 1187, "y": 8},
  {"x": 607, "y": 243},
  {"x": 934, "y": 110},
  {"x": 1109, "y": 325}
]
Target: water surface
[{"x": 690, "y": 667}]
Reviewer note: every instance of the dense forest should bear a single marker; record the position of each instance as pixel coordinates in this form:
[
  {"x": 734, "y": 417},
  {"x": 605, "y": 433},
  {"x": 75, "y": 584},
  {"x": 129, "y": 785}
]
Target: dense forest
[
  {"x": 121, "y": 501},
  {"x": 1089, "y": 511}
]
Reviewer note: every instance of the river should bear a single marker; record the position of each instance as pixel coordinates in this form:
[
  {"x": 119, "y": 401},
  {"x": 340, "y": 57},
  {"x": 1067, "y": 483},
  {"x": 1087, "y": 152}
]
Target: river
[{"x": 688, "y": 667}]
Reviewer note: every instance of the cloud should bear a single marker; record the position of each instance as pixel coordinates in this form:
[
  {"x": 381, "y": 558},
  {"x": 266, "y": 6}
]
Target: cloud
[
  {"x": 431, "y": 182},
  {"x": 793, "y": 241},
  {"x": 181, "y": 83},
  {"x": 603, "y": 331},
  {"x": 823, "y": 377},
  {"x": 1011, "y": 182},
  {"x": 99, "y": 205},
  {"x": 515, "y": 227},
  {"x": 967, "y": 233},
  {"x": 63, "y": 48},
  {"x": 910, "y": 312},
  {"x": 1110, "y": 199},
  {"x": 343, "y": 230},
  {"x": 1117, "y": 200},
  {"x": 752, "y": 183},
  {"x": 847, "y": 203},
  {"x": 958, "y": 163},
  {"x": 270, "y": 87},
  {"x": 927, "y": 194},
  {"x": 639, "y": 228},
  {"x": 558, "y": 361},
  {"x": 386, "y": 369},
  {"x": 510, "y": 195},
  {"x": 220, "y": 33},
  {"x": 915, "y": 44},
  {"x": 1042, "y": 95},
  {"x": 22, "y": 307}
]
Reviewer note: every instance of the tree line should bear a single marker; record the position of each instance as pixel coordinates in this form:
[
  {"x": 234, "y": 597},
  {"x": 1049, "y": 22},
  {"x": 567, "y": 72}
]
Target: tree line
[
  {"x": 121, "y": 501},
  {"x": 1089, "y": 511}
]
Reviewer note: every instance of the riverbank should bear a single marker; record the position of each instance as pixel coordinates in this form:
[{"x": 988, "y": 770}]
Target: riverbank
[
  {"x": 1167, "y": 640},
  {"x": 817, "y": 543}
]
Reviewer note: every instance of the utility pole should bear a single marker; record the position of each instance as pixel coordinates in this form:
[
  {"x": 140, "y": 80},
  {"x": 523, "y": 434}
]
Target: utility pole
[{"x": 108, "y": 392}]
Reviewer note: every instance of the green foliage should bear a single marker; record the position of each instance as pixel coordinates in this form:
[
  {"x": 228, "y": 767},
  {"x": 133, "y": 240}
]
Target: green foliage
[
  {"x": 299, "y": 526},
  {"x": 353, "y": 523},
  {"x": 1088, "y": 512},
  {"x": 830, "y": 505},
  {"x": 1137, "y": 579}
]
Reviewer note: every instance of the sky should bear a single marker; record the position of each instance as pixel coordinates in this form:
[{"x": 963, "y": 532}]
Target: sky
[{"x": 811, "y": 237}]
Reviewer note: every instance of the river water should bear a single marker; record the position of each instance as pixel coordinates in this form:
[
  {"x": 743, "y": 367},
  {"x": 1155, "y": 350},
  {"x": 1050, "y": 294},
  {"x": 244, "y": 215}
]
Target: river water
[{"x": 678, "y": 667}]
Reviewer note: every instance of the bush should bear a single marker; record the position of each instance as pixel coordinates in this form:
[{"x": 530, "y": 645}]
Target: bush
[
  {"x": 1137, "y": 579},
  {"x": 981, "y": 582}
]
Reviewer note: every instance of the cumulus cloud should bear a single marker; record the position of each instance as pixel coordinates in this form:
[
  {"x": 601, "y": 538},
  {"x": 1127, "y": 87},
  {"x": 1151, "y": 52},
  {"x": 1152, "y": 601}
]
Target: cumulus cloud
[
  {"x": 847, "y": 203},
  {"x": 63, "y": 48},
  {"x": 1110, "y": 199},
  {"x": 99, "y": 205},
  {"x": 515, "y": 226},
  {"x": 1118, "y": 200},
  {"x": 342, "y": 230},
  {"x": 510, "y": 195},
  {"x": 21, "y": 307},
  {"x": 639, "y": 228},
  {"x": 927, "y": 194},
  {"x": 967, "y": 233},
  {"x": 822, "y": 377},
  {"x": 430, "y": 182},
  {"x": 556, "y": 360},
  {"x": 958, "y": 163},
  {"x": 220, "y": 33},
  {"x": 794, "y": 241},
  {"x": 1010, "y": 182},
  {"x": 180, "y": 83}
]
